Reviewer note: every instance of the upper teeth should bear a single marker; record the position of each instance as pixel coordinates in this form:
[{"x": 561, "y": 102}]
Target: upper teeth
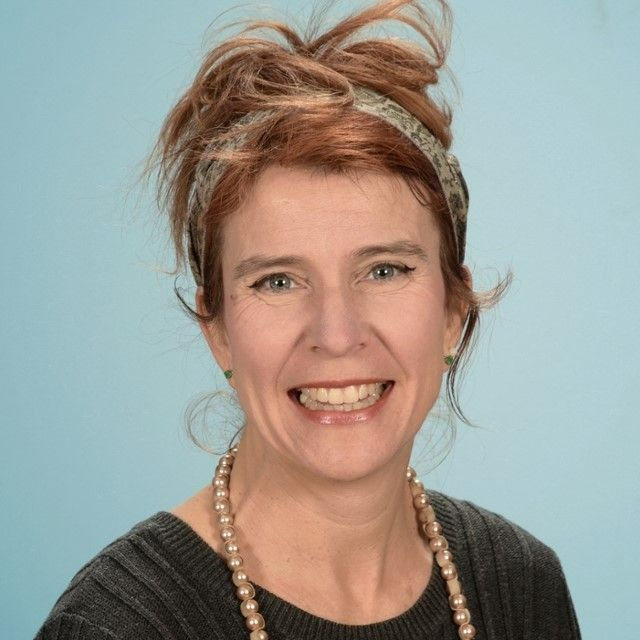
[{"x": 341, "y": 395}]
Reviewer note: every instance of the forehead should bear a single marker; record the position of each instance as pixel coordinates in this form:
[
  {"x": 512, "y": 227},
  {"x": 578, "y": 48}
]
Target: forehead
[{"x": 311, "y": 210}]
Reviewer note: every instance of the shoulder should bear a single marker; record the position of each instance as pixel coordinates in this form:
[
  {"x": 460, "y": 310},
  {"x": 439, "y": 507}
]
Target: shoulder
[
  {"x": 473, "y": 525},
  {"x": 513, "y": 575},
  {"x": 153, "y": 577},
  {"x": 122, "y": 560},
  {"x": 68, "y": 625},
  {"x": 100, "y": 589}
]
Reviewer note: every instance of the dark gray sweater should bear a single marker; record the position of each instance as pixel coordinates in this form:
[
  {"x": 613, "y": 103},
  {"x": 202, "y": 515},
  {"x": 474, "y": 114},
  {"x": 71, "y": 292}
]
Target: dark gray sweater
[{"x": 161, "y": 580}]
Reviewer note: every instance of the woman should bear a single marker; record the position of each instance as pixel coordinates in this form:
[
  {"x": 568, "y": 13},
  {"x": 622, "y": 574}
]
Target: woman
[{"x": 309, "y": 185}]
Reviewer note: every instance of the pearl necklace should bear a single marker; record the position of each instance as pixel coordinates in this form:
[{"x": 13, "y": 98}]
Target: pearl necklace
[{"x": 246, "y": 592}]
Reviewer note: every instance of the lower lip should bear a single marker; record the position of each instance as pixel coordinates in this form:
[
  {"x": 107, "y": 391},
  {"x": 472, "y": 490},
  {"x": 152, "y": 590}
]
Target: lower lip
[{"x": 344, "y": 417}]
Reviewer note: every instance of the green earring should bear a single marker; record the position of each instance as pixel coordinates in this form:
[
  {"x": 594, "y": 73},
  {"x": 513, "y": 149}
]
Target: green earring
[
  {"x": 449, "y": 359},
  {"x": 228, "y": 373}
]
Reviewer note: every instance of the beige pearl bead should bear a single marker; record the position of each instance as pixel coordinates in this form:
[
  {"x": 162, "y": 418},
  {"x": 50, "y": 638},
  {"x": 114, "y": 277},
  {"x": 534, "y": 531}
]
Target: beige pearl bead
[
  {"x": 228, "y": 458},
  {"x": 223, "y": 471},
  {"x": 444, "y": 557},
  {"x": 254, "y": 621},
  {"x": 423, "y": 515},
  {"x": 411, "y": 473},
  {"x": 453, "y": 586},
  {"x": 457, "y": 601},
  {"x": 449, "y": 571},
  {"x": 239, "y": 577},
  {"x": 420, "y": 501},
  {"x": 220, "y": 492},
  {"x": 438, "y": 544},
  {"x": 226, "y": 533},
  {"x": 247, "y": 607},
  {"x": 467, "y": 632},
  {"x": 258, "y": 634},
  {"x": 245, "y": 591},
  {"x": 235, "y": 562},
  {"x": 432, "y": 529},
  {"x": 427, "y": 514},
  {"x": 231, "y": 547},
  {"x": 225, "y": 519},
  {"x": 220, "y": 482},
  {"x": 221, "y": 505},
  {"x": 461, "y": 617},
  {"x": 416, "y": 487}
]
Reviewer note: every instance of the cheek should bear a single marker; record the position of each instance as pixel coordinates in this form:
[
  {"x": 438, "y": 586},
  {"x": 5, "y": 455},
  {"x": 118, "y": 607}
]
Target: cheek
[
  {"x": 255, "y": 342},
  {"x": 417, "y": 332},
  {"x": 418, "y": 341},
  {"x": 418, "y": 312},
  {"x": 261, "y": 338}
]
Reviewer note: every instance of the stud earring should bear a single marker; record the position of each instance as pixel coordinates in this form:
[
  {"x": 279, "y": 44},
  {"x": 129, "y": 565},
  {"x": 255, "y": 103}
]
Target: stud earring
[
  {"x": 450, "y": 357},
  {"x": 228, "y": 373}
]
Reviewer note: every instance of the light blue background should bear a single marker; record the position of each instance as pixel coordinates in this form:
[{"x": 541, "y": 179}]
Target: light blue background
[{"x": 98, "y": 363}]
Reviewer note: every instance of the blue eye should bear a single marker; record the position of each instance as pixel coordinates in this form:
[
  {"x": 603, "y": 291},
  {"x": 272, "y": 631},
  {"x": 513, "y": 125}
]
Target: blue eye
[
  {"x": 389, "y": 269},
  {"x": 277, "y": 282}
]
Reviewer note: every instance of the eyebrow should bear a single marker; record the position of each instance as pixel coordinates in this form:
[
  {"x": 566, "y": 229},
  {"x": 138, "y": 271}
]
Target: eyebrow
[{"x": 262, "y": 261}]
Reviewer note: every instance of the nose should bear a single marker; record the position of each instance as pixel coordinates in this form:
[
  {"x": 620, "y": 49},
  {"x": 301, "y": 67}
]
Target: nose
[{"x": 337, "y": 325}]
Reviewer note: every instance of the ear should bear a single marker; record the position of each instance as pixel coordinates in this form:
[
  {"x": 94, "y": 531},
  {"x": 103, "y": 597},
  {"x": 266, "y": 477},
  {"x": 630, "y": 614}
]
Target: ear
[
  {"x": 455, "y": 321},
  {"x": 215, "y": 334}
]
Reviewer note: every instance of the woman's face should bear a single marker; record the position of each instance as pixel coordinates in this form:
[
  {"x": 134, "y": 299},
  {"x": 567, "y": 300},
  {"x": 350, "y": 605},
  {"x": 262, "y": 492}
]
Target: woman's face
[{"x": 317, "y": 295}]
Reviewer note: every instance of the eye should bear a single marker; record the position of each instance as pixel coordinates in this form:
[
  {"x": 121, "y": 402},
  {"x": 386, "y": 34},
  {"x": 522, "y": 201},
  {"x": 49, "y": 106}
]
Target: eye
[
  {"x": 387, "y": 270},
  {"x": 276, "y": 282}
]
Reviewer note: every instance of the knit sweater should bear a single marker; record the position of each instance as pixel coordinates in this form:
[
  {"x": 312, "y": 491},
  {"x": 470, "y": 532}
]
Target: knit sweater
[{"x": 162, "y": 580}]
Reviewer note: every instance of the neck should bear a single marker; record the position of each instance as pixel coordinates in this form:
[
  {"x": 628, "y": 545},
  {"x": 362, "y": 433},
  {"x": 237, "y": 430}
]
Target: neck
[{"x": 326, "y": 544}]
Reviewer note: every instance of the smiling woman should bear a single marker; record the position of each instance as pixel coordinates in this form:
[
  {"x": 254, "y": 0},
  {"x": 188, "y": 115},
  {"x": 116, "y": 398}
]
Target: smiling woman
[
  {"x": 311, "y": 192},
  {"x": 345, "y": 317}
]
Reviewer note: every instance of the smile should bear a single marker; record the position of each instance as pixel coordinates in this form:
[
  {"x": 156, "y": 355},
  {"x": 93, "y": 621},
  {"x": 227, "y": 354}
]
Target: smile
[{"x": 340, "y": 399}]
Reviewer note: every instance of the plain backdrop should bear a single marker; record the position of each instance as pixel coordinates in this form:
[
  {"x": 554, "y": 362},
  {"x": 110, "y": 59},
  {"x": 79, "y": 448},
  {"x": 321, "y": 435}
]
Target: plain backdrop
[{"x": 99, "y": 363}]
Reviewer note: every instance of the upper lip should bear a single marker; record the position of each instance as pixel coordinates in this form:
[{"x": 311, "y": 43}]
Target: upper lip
[{"x": 328, "y": 384}]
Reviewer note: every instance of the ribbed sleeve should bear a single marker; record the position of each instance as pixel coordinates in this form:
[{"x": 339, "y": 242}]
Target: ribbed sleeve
[
  {"x": 67, "y": 626},
  {"x": 161, "y": 580}
]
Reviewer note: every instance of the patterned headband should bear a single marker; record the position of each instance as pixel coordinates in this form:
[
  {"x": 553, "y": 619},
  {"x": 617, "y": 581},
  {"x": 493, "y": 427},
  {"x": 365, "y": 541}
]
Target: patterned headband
[{"x": 446, "y": 166}]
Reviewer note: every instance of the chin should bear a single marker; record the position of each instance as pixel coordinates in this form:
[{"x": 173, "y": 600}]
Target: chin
[{"x": 347, "y": 459}]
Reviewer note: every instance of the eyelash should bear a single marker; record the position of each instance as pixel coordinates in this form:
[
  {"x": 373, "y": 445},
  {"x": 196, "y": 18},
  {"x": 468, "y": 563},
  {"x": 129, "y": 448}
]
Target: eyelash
[{"x": 403, "y": 268}]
